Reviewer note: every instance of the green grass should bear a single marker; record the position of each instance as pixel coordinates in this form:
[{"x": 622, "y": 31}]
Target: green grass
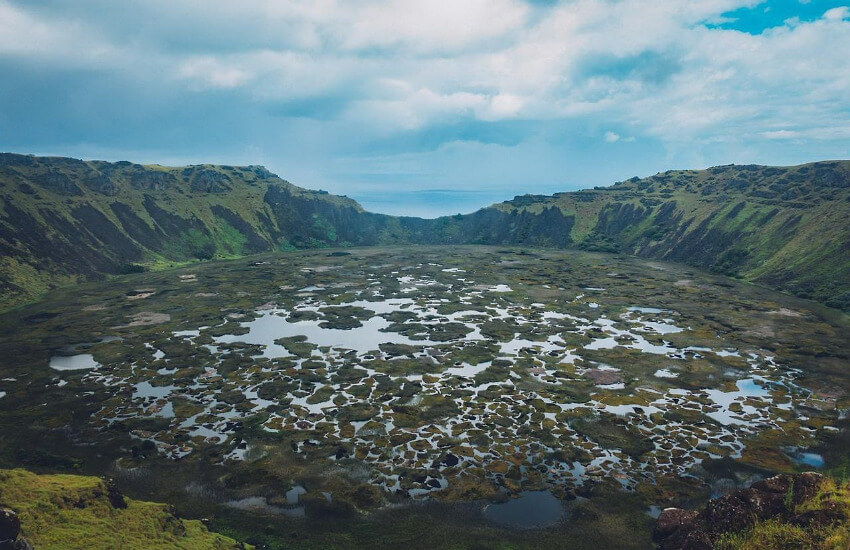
[
  {"x": 69, "y": 511},
  {"x": 687, "y": 216}
]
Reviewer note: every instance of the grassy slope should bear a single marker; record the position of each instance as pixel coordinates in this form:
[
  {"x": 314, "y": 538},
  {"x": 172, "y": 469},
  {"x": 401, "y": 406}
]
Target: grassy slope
[
  {"x": 59, "y": 224},
  {"x": 68, "y": 511},
  {"x": 784, "y": 227},
  {"x": 59, "y": 221}
]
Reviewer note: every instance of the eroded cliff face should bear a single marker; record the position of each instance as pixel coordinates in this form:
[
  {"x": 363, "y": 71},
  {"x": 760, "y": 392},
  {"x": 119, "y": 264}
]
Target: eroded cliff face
[
  {"x": 782, "y": 227},
  {"x": 63, "y": 220}
]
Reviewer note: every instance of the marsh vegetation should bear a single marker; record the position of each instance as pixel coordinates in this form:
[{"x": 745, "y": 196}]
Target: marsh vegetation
[{"x": 359, "y": 390}]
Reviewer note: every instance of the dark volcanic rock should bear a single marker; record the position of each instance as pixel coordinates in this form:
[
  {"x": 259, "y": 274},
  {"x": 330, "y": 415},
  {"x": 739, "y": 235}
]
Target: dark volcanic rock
[
  {"x": 10, "y": 525},
  {"x": 261, "y": 172},
  {"x": 210, "y": 181},
  {"x": 116, "y": 498},
  {"x": 10, "y": 528},
  {"x": 59, "y": 183},
  {"x": 14, "y": 159},
  {"x": 774, "y": 497},
  {"x": 100, "y": 183},
  {"x": 152, "y": 180},
  {"x": 805, "y": 486},
  {"x": 739, "y": 510},
  {"x": 818, "y": 518},
  {"x": 670, "y": 520}
]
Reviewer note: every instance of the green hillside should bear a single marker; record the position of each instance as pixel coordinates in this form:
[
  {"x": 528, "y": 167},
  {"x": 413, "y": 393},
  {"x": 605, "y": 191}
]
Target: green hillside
[
  {"x": 68, "y": 511},
  {"x": 786, "y": 228},
  {"x": 63, "y": 220}
]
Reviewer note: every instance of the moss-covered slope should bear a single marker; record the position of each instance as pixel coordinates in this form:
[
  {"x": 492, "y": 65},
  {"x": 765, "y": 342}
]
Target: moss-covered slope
[
  {"x": 62, "y": 220},
  {"x": 68, "y": 511},
  {"x": 787, "y": 228}
]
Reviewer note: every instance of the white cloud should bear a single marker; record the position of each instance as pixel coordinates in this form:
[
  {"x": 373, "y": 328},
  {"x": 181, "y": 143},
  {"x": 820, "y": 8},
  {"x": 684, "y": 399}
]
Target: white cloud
[
  {"x": 503, "y": 106},
  {"x": 837, "y": 14},
  {"x": 23, "y": 34},
  {"x": 212, "y": 72},
  {"x": 647, "y": 67},
  {"x": 780, "y": 134},
  {"x": 436, "y": 25},
  {"x": 417, "y": 108}
]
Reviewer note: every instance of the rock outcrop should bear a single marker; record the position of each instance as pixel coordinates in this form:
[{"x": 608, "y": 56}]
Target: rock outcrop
[
  {"x": 10, "y": 529},
  {"x": 774, "y": 498}
]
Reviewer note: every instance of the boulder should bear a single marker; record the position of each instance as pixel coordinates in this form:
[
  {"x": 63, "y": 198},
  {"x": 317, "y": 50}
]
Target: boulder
[
  {"x": 684, "y": 539},
  {"x": 116, "y": 498},
  {"x": 775, "y": 497},
  {"x": 10, "y": 525},
  {"x": 10, "y": 529},
  {"x": 818, "y": 518},
  {"x": 801, "y": 486},
  {"x": 670, "y": 520}
]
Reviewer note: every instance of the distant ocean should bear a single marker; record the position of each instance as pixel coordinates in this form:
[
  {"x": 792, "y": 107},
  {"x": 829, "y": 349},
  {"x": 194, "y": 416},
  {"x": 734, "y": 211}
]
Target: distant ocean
[{"x": 428, "y": 203}]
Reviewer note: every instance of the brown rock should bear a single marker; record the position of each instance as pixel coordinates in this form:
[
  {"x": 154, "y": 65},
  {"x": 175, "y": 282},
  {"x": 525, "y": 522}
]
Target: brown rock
[
  {"x": 775, "y": 484},
  {"x": 116, "y": 498},
  {"x": 670, "y": 520},
  {"x": 774, "y": 497},
  {"x": 806, "y": 486},
  {"x": 685, "y": 539},
  {"x": 802, "y": 486},
  {"x": 729, "y": 513},
  {"x": 764, "y": 505},
  {"x": 603, "y": 377},
  {"x": 817, "y": 518}
]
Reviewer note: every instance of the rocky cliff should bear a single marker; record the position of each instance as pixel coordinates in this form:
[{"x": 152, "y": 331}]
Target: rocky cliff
[
  {"x": 783, "y": 227},
  {"x": 63, "y": 220}
]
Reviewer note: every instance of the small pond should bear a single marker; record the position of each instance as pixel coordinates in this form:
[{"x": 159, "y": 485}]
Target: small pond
[
  {"x": 531, "y": 510},
  {"x": 84, "y": 361}
]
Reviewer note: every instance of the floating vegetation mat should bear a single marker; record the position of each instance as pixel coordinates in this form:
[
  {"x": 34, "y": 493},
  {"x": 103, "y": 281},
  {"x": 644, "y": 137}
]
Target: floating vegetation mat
[{"x": 426, "y": 371}]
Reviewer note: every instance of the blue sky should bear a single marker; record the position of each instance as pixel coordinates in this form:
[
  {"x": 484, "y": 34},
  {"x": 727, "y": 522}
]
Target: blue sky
[{"x": 429, "y": 108}]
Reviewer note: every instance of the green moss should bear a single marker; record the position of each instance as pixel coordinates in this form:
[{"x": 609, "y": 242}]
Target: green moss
[
  {"x": 231, "y": 239},
  {"x": 67, "y": 512},
  {"x": 611, "y": 435}
]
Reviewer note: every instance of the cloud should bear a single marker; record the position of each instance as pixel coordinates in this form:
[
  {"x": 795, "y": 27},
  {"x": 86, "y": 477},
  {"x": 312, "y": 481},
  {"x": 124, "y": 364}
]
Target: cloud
[
  {"x": 211, "y": 72},
  {"x": 434, "y": 26},
  {"x": 314, "y": 81},
  {"x": 24, "y": 34},
  {"x": 780, "y": 134},
  {"x": 837, "y": 14}
]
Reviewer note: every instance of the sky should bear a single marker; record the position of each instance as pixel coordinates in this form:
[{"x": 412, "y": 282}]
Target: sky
[{"x": 429, "y": 108}]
